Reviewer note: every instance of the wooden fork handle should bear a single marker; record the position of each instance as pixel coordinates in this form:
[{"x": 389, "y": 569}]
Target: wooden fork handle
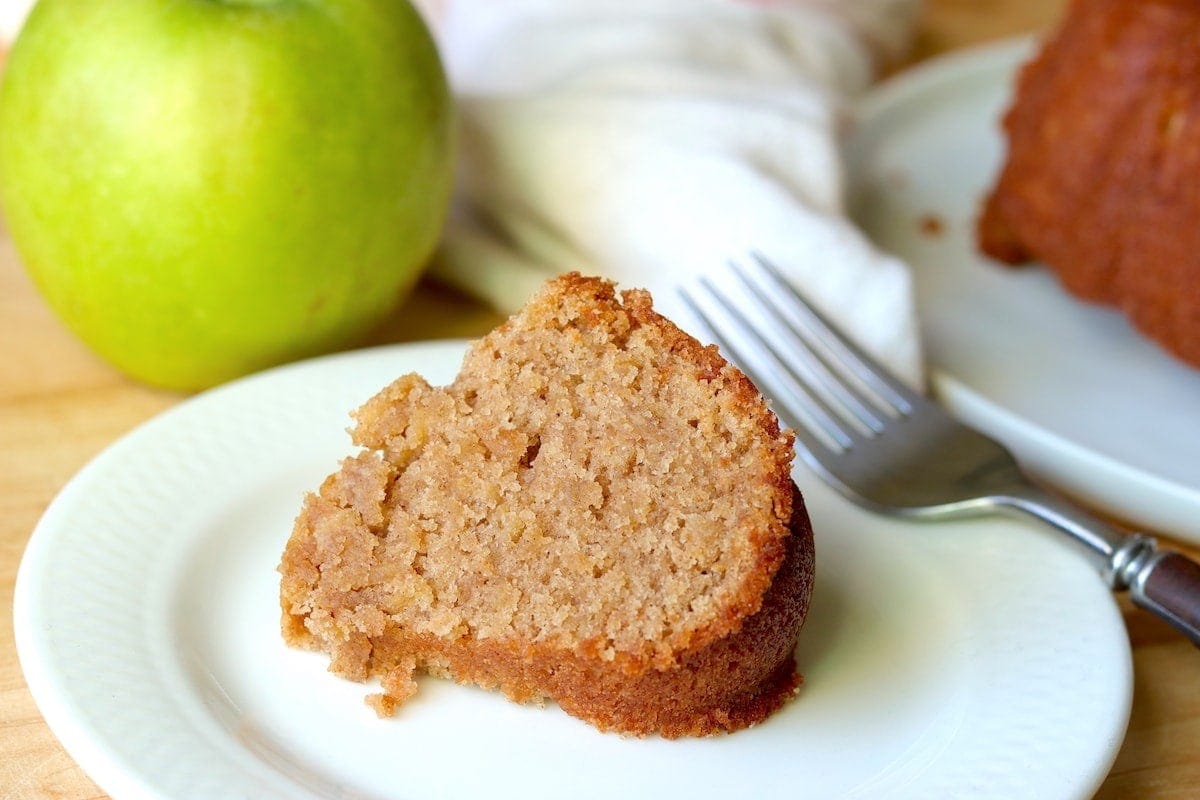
[{"x": 1169, "y": 586}]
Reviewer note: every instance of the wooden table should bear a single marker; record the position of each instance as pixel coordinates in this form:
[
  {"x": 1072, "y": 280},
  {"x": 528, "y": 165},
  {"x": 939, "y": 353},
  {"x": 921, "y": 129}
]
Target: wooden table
[{"x": 59, "y": 406}]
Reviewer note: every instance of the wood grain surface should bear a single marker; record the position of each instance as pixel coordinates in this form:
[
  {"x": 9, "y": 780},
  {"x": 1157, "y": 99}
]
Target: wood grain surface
[{"x": 59, "y": 406}]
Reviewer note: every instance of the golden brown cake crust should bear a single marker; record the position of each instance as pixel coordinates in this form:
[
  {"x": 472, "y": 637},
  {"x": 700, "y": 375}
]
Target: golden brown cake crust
[
  {"x": 1103, "y": 152},
  {"x": 598, "y": 511}
]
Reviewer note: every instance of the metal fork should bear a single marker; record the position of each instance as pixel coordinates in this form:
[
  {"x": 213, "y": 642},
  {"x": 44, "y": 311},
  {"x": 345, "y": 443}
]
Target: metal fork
[{"x": 886, "y": 447}]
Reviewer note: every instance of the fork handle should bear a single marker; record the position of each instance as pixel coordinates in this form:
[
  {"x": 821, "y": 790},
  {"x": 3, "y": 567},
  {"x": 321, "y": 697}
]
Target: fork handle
[
  {"x": 1162, "y": 582},
  {"x": 1168, "y": 584}
]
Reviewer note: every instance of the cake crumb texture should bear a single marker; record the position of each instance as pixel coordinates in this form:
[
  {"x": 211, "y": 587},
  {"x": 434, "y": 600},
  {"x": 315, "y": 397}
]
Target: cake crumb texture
[{"x": 598, "y": 511}]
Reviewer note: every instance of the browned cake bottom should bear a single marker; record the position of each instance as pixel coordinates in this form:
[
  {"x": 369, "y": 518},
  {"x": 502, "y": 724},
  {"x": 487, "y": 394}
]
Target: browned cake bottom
[{"x": 730, "y": 684}]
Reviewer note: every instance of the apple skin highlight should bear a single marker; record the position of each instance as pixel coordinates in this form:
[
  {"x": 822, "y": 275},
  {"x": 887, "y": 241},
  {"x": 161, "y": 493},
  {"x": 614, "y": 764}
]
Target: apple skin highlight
[{"x": 201, "y": 189}]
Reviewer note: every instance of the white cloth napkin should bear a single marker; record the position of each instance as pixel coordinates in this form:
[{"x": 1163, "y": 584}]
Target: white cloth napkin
[
  {"x": 12, "y": 17},
  {"x": 650, "y": 141}
]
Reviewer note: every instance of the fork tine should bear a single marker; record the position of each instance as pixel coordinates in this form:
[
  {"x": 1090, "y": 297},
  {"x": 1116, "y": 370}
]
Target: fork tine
[
  {"x": 803, "y": 359},
  {"x": 808, "y": 413},
  {"x": 811, "y": 448},
  {"x": 856, "y": 362}
]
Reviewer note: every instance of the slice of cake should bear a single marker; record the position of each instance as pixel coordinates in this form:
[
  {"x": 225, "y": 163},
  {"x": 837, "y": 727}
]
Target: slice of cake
[{"x": 598, "y": 510}]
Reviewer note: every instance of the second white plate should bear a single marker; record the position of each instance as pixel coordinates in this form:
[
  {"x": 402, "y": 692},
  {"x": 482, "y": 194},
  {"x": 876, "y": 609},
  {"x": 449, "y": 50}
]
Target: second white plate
[
  {"x": 980, "y": 660},
  {"x": 1084, "y": 401}
]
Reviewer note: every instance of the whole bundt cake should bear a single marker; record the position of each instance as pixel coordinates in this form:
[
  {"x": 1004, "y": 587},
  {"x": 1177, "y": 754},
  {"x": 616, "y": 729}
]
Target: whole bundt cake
[{"x": 1102, "y": 179}]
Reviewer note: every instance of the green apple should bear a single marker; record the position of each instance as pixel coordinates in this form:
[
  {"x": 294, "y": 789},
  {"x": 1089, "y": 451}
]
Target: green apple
[{"x": 202, "y": 188}]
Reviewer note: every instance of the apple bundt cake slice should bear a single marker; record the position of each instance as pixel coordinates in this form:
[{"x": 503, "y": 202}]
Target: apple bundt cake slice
[{"x": 598, "y": 511}]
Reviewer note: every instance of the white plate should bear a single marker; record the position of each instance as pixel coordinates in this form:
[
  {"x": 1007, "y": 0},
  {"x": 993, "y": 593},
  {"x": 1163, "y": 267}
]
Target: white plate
[
  {"x": 943, "y": 661},
  {"x": 1086, "y": 402}
]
